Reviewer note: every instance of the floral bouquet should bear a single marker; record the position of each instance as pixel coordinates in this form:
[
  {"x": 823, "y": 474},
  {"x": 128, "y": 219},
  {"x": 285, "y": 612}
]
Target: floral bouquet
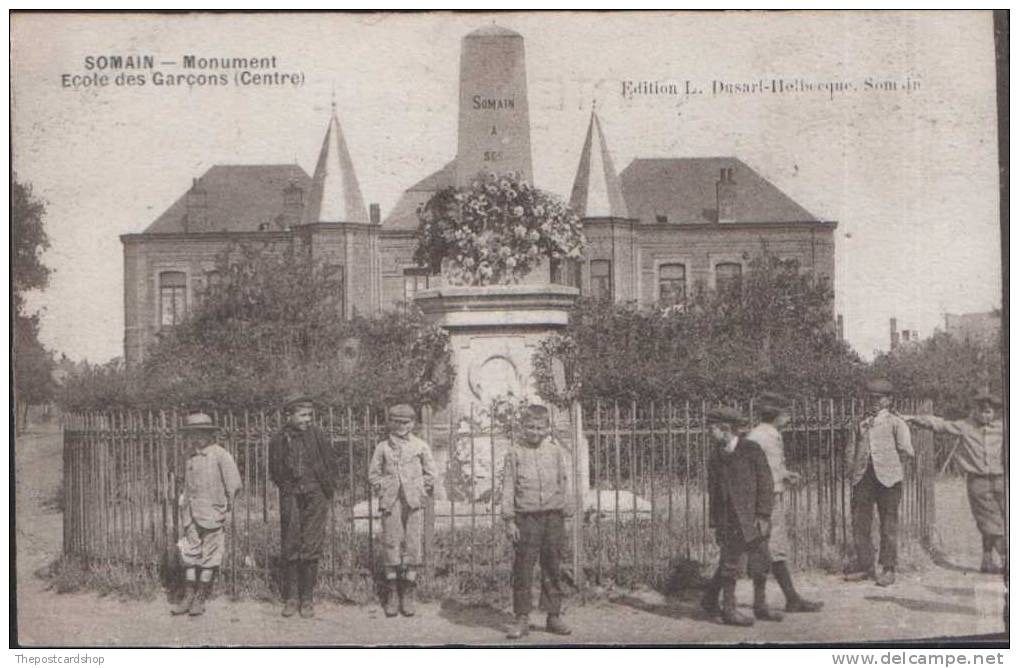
[{"x": 495, "y": 232}]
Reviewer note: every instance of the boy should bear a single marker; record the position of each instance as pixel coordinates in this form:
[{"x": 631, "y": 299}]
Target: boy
[
  {"x": 302, "y": 465},
  {"x": 535, "y": 502},
  {"x": 979, "y": 456},
  {"x": 211, "y": 481},
  {"x": 403, "y": 475},
  {"x": 740, "y": 498},
  {"x": 875, "y": 467}
]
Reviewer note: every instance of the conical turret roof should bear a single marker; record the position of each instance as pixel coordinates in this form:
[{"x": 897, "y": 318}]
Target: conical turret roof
[
  {"x": 335, "y": 196},
  {"x": 596, "y": 190}
]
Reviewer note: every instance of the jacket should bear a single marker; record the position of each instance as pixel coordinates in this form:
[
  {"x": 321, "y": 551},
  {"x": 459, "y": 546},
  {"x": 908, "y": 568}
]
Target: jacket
[
  {"x": 979, "y": 452},
  {"x": 402, "y": 464},
  {"x": 211, "y": 480},
  {"x": 535, "y": 479},
  {"x": 324, "y": 464},
  {"x": 881, "y": 439},
  {"x": 740, "y": 488},
  {"x": 770, "y": 440}
]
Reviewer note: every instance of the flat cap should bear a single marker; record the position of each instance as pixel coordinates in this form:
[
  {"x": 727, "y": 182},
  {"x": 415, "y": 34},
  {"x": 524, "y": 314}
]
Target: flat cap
[
  {"x": 402, "y": 411},
  {"x": 298, "y": 399},
  {"x": 880, "y": 386},
  {"x": 773, "y": 400},
  {"x": 198, "y": 422},
  {"x": 985, "y": 397},
  {"x": 724, "y": 415}
]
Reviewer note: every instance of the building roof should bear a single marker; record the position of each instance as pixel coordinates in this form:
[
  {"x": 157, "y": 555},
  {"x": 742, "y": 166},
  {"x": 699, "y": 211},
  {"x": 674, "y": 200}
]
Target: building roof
[
  {"x": 335, "y": 195},
  {"x": 404, "y": 214},
  {"x": 683, "y": 190},
  {"x": 238, "y": 198},
  {"x": 596, "y": 189}
]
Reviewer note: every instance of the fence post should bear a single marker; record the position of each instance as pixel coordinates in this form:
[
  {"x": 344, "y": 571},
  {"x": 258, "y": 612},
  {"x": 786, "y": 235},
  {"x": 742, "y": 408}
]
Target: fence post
[{"x": 576, "y": 422}]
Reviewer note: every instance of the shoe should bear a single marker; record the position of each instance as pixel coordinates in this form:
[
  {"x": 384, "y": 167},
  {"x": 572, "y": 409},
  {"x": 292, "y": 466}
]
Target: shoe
[
  {"x": 858, "y": 576},
  {"x": 886, "y": 579},
  {"x": 198, "y": 605},
  {"x": 519, "y": 628},
  {"x": 290, "y": 586},
  {"x": 709, "y": 600},
  {"x": 803, "y": 605},
  {"x": 407, "y": 604},
  {"x": 555, "y": 624},
  {"x": 290, "y": 607},
  {"x": 392, "y": 603},
  {"x": 184, "y": 604},
  {"x": 730, "y": 615}
]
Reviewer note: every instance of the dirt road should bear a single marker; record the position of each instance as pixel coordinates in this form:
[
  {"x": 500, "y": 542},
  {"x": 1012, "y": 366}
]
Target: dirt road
[{"x": 948, "y": 600}]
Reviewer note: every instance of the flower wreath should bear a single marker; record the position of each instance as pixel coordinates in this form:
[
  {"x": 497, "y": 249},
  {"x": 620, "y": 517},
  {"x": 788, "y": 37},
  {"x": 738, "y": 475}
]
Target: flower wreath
[{"x": 564, "y": 349}]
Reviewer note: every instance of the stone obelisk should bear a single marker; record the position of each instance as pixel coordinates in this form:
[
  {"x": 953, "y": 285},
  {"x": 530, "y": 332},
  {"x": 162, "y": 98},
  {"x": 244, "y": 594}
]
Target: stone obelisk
[{"x": 494, "y": 128}]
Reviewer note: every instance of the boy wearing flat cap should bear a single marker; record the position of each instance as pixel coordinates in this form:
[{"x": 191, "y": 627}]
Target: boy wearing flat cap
[
  {"x": 536, "y": 500},
  {"x": 979, "y": 455},
  {"x": 302, "y": 465},
  {"x": 875, "y": 465},
  {"x": 211, "y": 481},
  {"x": 740, "y": 498},
  {"x": 402, "y": 474}
]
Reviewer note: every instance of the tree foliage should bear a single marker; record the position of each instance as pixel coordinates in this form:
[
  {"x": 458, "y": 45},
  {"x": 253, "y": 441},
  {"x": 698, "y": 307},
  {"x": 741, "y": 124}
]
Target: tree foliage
[{"x": 272, "y": 325}]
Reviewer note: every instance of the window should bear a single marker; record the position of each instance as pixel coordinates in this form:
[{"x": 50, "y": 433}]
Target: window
[
  {"x": 601, "y": 279},
  {"x": 414, "y": 279},
  {"x": 727, "y": 275},
  {"x": 671, "y": 284},
  {"x": 565, "y": 272},
  {"x": 172, "y": 298}
]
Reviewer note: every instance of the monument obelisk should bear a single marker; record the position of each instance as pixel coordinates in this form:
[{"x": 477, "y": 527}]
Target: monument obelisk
[{"x": 494, "y": 132}]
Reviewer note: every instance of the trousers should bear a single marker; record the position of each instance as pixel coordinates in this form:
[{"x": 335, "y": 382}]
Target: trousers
[
  {"x": 866, "y": 494},
  {"x": 303, "y": 524},
  {"x": 733, "y": 548},
  {"x": 402, "y": 534},
  {"x": 541, "y": 540}
]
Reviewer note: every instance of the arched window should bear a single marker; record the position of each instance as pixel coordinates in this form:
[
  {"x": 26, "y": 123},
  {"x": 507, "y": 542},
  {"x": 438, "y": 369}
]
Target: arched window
[
  {"x": 727, "y": 275},
  {"x": 172, "y": 298},
  {"x": 601, "y": 279},
  {"x": 671, "y": 284}
]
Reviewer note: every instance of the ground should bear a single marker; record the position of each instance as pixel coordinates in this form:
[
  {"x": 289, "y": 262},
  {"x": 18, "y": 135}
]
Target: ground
[{"x": 948, "y": 599}]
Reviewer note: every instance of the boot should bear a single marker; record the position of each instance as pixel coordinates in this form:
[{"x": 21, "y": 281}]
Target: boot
[
  {"x": 887, "y": 577},
  {"x": 308, "y": 580},
  {"x": 793, "y": 601},
  {"x": 407, "y": 603},
  {"x": 520, "y": 627},
  {"x": 730, "y": 615},
  {"x": 761, "y": 609},
  {"x": 391, "y": 604},
  {"x": 709, "y": 600},
  {"x": 555, "y": 624},
  {"x": 198, "y": 606},
  {"x": 987, "y": 564},
  {"x": 187, "y": 599},
  {"x": 290, "y": 586}
]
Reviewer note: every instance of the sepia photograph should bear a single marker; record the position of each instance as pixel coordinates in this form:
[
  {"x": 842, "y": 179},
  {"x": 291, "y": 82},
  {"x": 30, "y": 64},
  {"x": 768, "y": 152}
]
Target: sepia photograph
[{"x": 500, "y": 329}]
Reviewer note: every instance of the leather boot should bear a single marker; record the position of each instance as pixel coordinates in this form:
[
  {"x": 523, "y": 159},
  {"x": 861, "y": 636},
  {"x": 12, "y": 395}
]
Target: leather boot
[
  {"x": 793, "y": 601},
  {"x": 520, "y": 627},
  {"x": 187, "y": 599},
  {"x": 198, "y": 606},
  {"x": 761, "y": 609},
  {"x": 290, "y": 586},
  {"x": 407, "y": 603},
  {"x": 308, "y": 579},
  {"x": 392, "y": 604},
  {"x": 709, "y": 600},
  {"x": 887, "y": 577},
  {"x": 555, "y": 624},
  {"x": 730, "y": 615}
]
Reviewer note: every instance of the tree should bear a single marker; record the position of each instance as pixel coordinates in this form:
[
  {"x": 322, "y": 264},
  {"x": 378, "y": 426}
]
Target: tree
[{"x": 33, "y": 364}]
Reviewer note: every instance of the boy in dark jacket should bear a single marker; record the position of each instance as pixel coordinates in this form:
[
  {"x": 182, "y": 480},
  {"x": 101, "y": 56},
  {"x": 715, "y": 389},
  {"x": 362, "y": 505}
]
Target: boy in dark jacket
[
  {"x": 740, "y": 498},
  {"x": 303, "y": 466}
]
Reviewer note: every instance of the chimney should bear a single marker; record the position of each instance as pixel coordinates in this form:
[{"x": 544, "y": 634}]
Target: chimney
[
  {"x": 840, "y": 328},
  {"x": 197, "y": 208},
  {"x": 725, "y": 189},
  {"x": 293, "y": 206},
  {"x": 374, "y": 217},
  {"x": 894, "y": 333}
]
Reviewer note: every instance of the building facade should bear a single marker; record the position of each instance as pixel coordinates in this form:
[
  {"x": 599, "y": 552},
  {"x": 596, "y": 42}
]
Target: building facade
[{"x": 655, "y": 231}]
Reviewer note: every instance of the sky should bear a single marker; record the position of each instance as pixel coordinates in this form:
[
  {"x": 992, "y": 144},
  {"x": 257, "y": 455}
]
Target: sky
[{"x": 909, "y": 175}]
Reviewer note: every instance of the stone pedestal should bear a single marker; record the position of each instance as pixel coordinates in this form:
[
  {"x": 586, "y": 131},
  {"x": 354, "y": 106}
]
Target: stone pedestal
[{"x": 494, "y": 332}]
